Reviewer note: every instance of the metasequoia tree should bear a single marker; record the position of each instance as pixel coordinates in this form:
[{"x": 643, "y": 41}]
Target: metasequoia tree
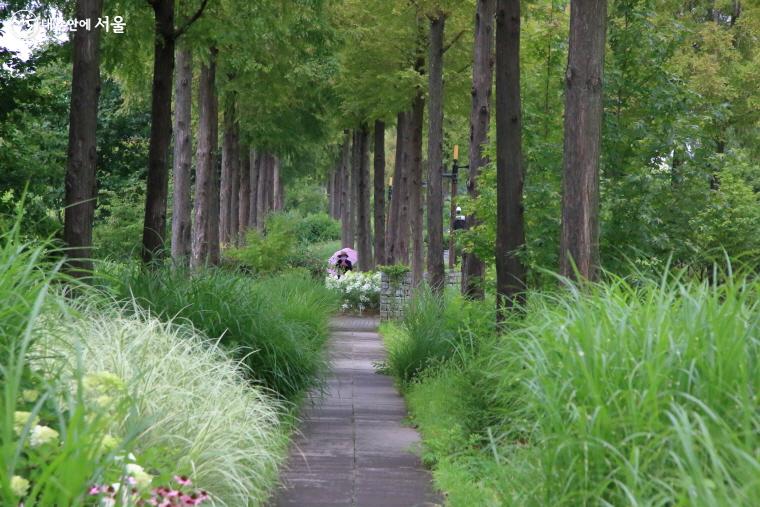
[
  {"x": 166, "y": 35},
  {"x": 435, "y": 266},
  {"x": 379, "y": 192},
  {"x": 205, "y": 173},
  {"x": 244, "y": 194},
  {"x": 579, "y": 243},
  {"x": 510, "y": 228},
  {"x": 82, "y": 153},
  {"x": 398, "y": 217},
  {"x": 183, "y": 154},
  {"x": 347, "y": 232},
  {"x": 363, "y": 213},
  {"x": 473, "y": 268}
]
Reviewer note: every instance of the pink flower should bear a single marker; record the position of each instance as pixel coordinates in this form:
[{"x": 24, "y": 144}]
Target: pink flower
[
  {"x": 94, "y": 490},
  {"x": 183, "y": 480}
]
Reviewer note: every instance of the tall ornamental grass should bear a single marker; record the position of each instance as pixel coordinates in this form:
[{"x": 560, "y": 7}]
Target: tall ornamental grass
[
  {"x": 434, "y": 329},
  {"x": 51, "y": 439},
  {"x": 202, "y": 417},
  {"x": 614, "y": 394},
  {"x": 277, "y": 326}
]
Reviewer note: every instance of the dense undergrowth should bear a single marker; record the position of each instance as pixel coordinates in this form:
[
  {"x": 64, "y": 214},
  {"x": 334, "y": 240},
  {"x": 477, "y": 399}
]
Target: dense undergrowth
[
  {"x": 275, "y": 325},
  {"x": 619, "y": 394},
  {"x": 188, "y": 379}
]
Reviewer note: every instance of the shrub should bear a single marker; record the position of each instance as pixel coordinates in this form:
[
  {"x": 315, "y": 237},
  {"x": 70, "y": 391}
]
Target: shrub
[
  {"x": 317, "y": 228},
  {"x": 359, "y": 291},
  {"x": 276, "y": 325},
  {"x": 265, "y": 253}
]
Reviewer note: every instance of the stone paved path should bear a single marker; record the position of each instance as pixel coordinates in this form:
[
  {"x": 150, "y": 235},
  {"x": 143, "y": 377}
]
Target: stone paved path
[{"x": 354, "y": 448}]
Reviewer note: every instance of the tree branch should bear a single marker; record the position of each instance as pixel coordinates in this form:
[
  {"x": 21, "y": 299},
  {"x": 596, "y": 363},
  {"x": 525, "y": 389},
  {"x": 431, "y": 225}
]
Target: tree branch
[
  {"x": 453, "y": 41},
  {"x": 178, "y": 33}
]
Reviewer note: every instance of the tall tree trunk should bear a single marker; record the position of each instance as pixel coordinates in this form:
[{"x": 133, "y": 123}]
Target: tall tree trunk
[
  {"x": 346, "y": 231},
  {"x": 254, "y": 184},
  {"x": 183, "y": 156},
  {"x": 338, "y": 188},
  {"x": 80, "y": 182},
  {"x": 416, "y": 207},
  {"x": 379, "y": 189},
  {"x": 583, "y": 132},
  {"x": 235, "y": 189},
  {"x": 404, "y": 225},
  {"x": 276, "y": 186},
  {"x": 244, "y": 194},
  {"x": 355, "y": 168},
  {"x": 363, "y": 212},
  {"x": 204, "y": 172},
  {"x": 473, "y": 268},
  {"x": 229, "y": 159},
  {"x": 435, "y": 268},
  {"x": 214, "y": 252},
  {"x": 397, "y": 231},
  {"x": 271, "y": 169},
  {"x": 154, "y": 227},
  {"x": 510, "y": 227},
  {"x": 261, "y": 191}
]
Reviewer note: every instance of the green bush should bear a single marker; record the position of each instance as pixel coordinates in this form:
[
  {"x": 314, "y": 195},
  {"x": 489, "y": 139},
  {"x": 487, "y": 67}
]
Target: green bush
[
  {"x": 317, "y": 228},
  {"x": 286, "y": 244},
  {"x": 276, "y": 326},
  {"x": 618, "y": 394}
]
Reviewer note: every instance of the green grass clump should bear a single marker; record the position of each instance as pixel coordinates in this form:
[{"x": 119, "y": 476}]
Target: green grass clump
[
  {"x": 202, "y": 417},
  {"x": 277, "y": 326},
  {"x": 435, "y": 328},
  {"x": 616, "y": 394},
  {"x": 59, "y": 471}
]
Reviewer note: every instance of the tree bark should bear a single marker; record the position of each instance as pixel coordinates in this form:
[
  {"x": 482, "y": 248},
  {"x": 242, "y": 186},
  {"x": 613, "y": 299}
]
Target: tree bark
[
  {"x": 397, "y": 236},
  {"x": 473, "y": 268},
  {"x": 379, "y": 189},
  {"x": 363, "y": 212},
  {"x": 214, "y": 251},
  {"x": 80, "y": 181},
  {"x": 435, "y": 268},
  {"x": 510, "y": 227},
  {"x": 229, "y": 161},
  {"x": 276, "y": 186},
  {"x": 583, "y": 128},
  {"x": 254, "y": 194},
  {"x": 338, "y": 189},
  {"x": 154, "y": 227},
  {"x": 416, "y": 208},
  {"x": 261, "y": 190},
  {"x": 244, "y": 194},
  {"x": 346, "y": 231},
  {"x": 204, "y": 172},
  {"x": 183, "y": 155}
]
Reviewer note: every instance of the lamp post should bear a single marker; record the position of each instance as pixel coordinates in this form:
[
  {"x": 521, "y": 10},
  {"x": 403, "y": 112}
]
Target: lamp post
[{"x": 453, "y": 175}]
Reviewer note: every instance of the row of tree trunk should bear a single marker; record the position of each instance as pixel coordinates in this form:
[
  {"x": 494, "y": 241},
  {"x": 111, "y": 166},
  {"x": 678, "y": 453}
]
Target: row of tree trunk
[
  {"x": 223, "y": 209},
  {"x": 229, "y": 200},
  {"x": 399, "y": 232}
]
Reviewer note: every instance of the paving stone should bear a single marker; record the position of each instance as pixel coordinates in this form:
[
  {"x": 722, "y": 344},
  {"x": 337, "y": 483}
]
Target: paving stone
[{"x": 354, "y": 447}]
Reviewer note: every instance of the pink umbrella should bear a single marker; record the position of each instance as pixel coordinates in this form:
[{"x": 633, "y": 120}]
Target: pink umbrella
[{"x": 349, "y": 253}]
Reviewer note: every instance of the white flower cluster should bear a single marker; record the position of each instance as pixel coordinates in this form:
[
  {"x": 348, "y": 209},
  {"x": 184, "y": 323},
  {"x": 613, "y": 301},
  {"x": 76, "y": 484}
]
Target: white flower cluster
[{"x": 360, "y": 291}]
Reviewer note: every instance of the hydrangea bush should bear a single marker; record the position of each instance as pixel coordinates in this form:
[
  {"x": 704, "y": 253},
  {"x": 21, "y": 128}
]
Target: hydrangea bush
[{"x": 359, "y": 291}]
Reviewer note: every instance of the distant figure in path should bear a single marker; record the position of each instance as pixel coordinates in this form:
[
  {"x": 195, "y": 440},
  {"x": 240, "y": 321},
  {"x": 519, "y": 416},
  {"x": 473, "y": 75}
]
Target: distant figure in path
[{"x": 343, "y": 265}]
